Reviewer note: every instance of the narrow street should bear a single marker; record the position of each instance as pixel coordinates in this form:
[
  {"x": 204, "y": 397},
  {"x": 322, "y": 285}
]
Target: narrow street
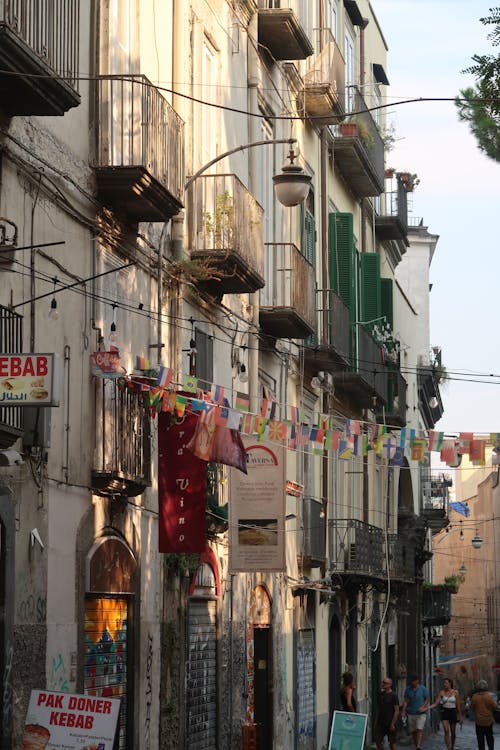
[{"x": 466, "y": 738}]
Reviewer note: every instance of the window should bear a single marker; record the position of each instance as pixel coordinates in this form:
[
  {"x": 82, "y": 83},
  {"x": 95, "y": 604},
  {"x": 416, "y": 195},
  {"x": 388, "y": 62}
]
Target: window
[
  {"x": 204, "y": 357},
  {"x": 205, "y": 126},
  {"x": 350, "y": 79},
  {"x": 331, "y": 16},
  {"x": 264, "y": 192},
  {"x": 308, "y": 243}
]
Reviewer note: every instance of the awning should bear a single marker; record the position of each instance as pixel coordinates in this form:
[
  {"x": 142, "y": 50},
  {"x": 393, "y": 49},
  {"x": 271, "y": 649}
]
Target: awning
[
  {"x": 379, "y": 74},
  {"x": 354, "y": 13}
]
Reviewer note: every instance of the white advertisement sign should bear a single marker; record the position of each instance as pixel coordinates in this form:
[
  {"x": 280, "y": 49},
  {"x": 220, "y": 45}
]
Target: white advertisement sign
[
  {"x": 65, "y": 721},
  {"x": 257, "y": 510}
]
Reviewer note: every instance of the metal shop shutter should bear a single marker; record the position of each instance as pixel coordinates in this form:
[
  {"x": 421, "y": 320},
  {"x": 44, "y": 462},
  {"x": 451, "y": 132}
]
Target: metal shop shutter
[
  {"x": 201, "y": 676},
  {"x": 306, "y": 698}
]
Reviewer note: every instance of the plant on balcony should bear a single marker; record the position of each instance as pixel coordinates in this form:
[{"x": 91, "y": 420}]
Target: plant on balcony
[
  {"x": 219, "y": 225},
  {"x": 453, "y": 582},
  {"x": 410, "y": 181},
  {"x": 390, "y": 346}
]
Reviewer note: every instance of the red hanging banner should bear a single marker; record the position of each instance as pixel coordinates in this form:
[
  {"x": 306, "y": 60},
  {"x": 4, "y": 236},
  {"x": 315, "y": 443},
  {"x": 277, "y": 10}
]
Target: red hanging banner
[{"x": 182, "y": 490}]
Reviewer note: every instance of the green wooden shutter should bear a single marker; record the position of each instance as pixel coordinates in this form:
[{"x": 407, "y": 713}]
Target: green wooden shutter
[
  {"x": 387, "y": 303},
  {"x": 371, "y": 297},
  {"x": 309, "y": 237},
  {"x": 342, "y": 259}
]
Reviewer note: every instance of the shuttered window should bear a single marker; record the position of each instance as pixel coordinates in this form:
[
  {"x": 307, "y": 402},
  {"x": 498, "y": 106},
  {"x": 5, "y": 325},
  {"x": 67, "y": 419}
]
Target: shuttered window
[
  {"x": 204, "y": 357},
  {"x": 387, "y": 301},
  {"x": 201, "y": 677},
  {"x": 371, "y": 304},
  {"x": 343, "y": 259}
]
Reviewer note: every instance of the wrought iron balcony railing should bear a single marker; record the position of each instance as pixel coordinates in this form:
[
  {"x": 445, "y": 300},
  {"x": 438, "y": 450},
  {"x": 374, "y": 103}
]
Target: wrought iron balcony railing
[
  {"x": 226, "y": 231},
  {"x": 122, "y": 464},
  {"x": 436, "y": 605},
  {"x": 360, "y": 156},
  {"x": 313, "y": 546},
  {"x": 328, "y": 347},
  {"x": 140, "y": 149},
  {"x": 401, "y": 558},
  {"x": 356, "y": 547},
  {"x": 366, "y": 378},
  {"x": 395, "y": 413},
  {"x": 324, "y": 81},
  {"x": 39, "y": 56},
  {"x": 391, "y": 221},
  {"x": 287, "y": 300}
]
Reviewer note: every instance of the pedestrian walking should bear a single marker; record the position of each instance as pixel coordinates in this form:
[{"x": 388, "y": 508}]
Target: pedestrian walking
[
  {"x": 386, "y": 716},
  {"x": 416, "y": 697},
  {"x": 450, "y": 711},
  {"x": 347, "y": 699},
  {"x": 483, "y": 705}
]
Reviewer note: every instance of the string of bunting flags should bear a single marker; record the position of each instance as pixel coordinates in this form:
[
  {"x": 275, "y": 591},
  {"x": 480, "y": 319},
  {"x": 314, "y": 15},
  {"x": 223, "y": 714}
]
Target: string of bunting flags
[{"x": 356, "y": 438}]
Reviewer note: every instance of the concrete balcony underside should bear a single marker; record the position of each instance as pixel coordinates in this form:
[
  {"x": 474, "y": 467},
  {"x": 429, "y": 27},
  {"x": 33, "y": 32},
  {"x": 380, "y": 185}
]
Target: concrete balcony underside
[
  {"x": 280, "y": 32},
  {"x": 136, "y": 193},
  {"x": 29, "y": 85},
  {"x": 354, "y": 162}
]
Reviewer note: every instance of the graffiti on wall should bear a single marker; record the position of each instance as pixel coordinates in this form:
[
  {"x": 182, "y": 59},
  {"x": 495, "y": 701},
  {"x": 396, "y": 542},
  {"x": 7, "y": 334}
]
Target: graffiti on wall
[
  {"x": 57, "y": 677},
  {"x": 7, "y": 687},
  {"x": 149, "y": 692}
]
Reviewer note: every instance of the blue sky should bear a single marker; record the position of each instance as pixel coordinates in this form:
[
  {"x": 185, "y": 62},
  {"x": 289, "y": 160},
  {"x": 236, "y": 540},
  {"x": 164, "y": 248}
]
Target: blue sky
[{"x": 430, "y": 42}]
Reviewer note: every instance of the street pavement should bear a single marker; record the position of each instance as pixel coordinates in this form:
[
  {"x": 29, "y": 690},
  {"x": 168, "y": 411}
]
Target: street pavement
[{"x": 466, "y": 738}]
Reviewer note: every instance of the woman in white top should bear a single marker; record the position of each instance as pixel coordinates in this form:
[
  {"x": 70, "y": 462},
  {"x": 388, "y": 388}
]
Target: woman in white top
[{"x": 450, "y": 711}]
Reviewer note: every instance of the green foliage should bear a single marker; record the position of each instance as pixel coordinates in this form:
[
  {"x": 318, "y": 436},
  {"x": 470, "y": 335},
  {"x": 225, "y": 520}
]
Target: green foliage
[
  {"x": 479, "y": 106},
  {"x": 181, "y": 563}
]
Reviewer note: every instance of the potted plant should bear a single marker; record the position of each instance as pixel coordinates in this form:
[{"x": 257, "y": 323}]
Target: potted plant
[
  {"x": 452, "y": 583},
  {"x": 349, "y": 129},
  {"x": 410, "y": 181},
  {"x": 219, "y": 226}
]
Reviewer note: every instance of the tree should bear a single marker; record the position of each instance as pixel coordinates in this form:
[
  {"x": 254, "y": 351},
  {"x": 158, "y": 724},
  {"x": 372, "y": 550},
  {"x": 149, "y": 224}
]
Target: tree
[{"x": 479, "y": 106}]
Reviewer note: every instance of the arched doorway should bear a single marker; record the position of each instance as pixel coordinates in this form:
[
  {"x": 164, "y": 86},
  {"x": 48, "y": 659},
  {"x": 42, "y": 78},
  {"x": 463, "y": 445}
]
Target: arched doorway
[
  {"x": 108, "y": 648},
  {"x": 260, "y": 666}
]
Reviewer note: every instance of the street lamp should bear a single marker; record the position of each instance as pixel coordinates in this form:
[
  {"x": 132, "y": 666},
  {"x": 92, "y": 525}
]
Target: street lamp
[
  {"x": 291, "y": 186},
  {"x": 477, "y": 541}
]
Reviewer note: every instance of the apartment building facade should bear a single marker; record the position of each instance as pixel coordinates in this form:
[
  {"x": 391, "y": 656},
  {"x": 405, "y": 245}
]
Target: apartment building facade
[{"x": 128, "y": 244}]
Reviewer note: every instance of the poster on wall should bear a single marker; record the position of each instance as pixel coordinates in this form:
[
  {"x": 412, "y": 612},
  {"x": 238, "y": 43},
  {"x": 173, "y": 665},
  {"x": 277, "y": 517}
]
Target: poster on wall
[
  {"x": 348, "y": 731},
  {"x": 257, "y": 510},
  {"x": 69, "y": 721}
]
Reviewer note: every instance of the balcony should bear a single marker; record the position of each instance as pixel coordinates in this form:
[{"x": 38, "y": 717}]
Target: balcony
[
  {"x": 401, "y": 559},
  {"x": 328, "y": 348},
  {"x": 11, "y": 341},
  {"x": 122, "y": 464},
  {"x": 359, "y": 150},
  {"x": 395, "y": 412},
  {"x": 324, "y": 81},
  {"x": 313, "y": 547},
  {"x": 140, "y": 150},
  {"x": 226, "y": 233},
  {"x": 39, "y": 56},
  {"x": 282, "y": 35},
  {"x": 428, "y": 395},
  {"x": 287, "y": 300},
  {"x": 366, "y": 380},
  {"x": 391, "y": 223},
  {"x": 436, "y": 605},
  {"x": 356, "y": 548},
  {"x": 434, "y": 501}
]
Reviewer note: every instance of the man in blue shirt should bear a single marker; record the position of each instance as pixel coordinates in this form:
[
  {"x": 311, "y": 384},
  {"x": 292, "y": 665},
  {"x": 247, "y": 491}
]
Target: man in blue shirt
[{"x": 415, "y": 702}]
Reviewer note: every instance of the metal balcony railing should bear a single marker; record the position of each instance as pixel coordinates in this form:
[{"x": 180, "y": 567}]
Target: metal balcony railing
[
  {"x": 324, "y": 80},
  {"x": 50, "y": 28},
  {"x": 122, "y": 464},
  {"x": 287, "y": 300},
  {"x": 401, "y": 558},
  {"x": 138, "y": 128},
  {"x": 328, "y": 346},
  {"x": 436, "y": 605},
  {"x": 356, "y": 547},
  {"x": 313, "y": 521},
  {"x": 226, "y": 227},
  {"x": 368, "y": 363},
  {"x": 11, "y": 342}
]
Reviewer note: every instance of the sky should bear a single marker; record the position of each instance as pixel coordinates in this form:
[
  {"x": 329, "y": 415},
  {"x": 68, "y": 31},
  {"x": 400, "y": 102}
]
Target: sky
[{"x": 430, "y": 42}]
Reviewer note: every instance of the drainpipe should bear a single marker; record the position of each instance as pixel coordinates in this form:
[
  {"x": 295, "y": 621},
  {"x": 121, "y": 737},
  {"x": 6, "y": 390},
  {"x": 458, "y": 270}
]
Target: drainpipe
[
  {"x": 325, "y": 285},
  {"x": 253, "y": 167}
]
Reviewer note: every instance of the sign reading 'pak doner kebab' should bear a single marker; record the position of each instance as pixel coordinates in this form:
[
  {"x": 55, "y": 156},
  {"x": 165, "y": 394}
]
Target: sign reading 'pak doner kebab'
[
  {"x": 69, "y": 721},
  {"x": 29, "y": 380}
]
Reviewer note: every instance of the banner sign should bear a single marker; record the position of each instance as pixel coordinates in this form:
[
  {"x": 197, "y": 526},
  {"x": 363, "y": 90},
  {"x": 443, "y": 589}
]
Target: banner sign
[
  {"x": 29, "y": 380},
  {"x": 70, "y": 721},
  {"x": 182, "y": 487},
  {"x": 257, "y": 510},
  {"x": 348, "y": 731}
]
